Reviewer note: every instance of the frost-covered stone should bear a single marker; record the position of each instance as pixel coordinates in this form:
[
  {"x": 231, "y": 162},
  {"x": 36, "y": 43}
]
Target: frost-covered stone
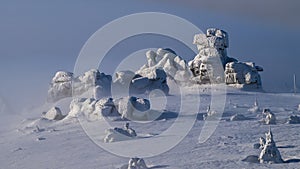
[
  {"x": 166, "y": 59},
  {"x": 212, "y": 65},
  {"x": 127, "y": 81},
  {"x": 60, "y": 86},
  {"x": 242, "y": 73},
  {"x": 294, "y": 119},
  {"x": 53, "y": 114},
  {"x": 269, "y": 152},
  {"x": 119, "y": 134},
  {"x": 94, "y": 81},
  {"x": 134, "y": 108},
  {"x": 270, "y": 117},
  {"x": 137, "y": 163}
]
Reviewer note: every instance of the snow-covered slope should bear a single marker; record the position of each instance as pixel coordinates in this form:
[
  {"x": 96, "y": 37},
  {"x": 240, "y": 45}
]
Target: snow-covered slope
[{"x": 40, "y": 143}]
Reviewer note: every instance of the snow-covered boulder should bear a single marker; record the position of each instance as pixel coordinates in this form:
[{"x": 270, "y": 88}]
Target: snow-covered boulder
[
  {"x": 166, "y": 59},
  {"x": 64, "y": 85},
  {"x": 294, "y": 119},
  {"x": 94, "y": 80},
  {"x": 60, "y": 86},
  {"x": 135, "y": 108},
  {"x": 269, "y": 152},
  {"x": 127, "y": 81},
  {"x": 84, "y": 107},
  {"x": 53, "y": 114},
  {"x": 242, "y": 73},
  {"x": 270, "y": 117},
  {"x": 137, "y": 163},
  {"x": 132, "y": 108},
  {"x": 119, "y": 134},
  {"x": 106, "y": 107}
]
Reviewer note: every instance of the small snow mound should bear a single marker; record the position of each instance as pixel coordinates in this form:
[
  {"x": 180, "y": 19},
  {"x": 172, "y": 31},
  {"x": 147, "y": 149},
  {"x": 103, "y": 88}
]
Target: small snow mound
[
  {"x": 299, "y": 107},
  {"x": 53, "y": 114},
  {"x": 294, "y": 119},
  {"x": 119, "y": 134},
  {"x": 238, "y": 117}
]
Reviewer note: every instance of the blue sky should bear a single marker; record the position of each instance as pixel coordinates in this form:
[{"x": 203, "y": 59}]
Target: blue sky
[{"x": 38, "y": 38}]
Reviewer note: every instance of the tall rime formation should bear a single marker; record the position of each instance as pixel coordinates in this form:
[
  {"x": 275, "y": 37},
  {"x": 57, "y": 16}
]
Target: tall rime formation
[
  {"x": 212, "y": 65},
  {"x": 269, "y": 152}
]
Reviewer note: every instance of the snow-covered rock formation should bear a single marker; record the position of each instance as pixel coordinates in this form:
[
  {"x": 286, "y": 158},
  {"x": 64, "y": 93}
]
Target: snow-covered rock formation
[
  {"x": 132, "y": 108},
  {"x": 127, "y": 81},
  {"x": 269, "y": 152},
  {"x": 212, "y": 65},
  {"x": 294, "y": 119},
  {"x": 119, "y": 134},
  {"x": 91, "y": 81},
  {"x": 270, "y": 117},
  {"x": 175, "y": 67},
  {"x": 53, "y": 114},
  {"x": 60, "y": 86}
]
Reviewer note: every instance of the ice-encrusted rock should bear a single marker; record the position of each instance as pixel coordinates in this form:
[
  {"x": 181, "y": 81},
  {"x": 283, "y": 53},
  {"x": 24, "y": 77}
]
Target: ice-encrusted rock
[
  {"x": 166, "y": 59},
  {"x": 270, "y": 117},
  {"x": 53, "y": 114},
  {"x": 212, "y": 65},
  {"x": 119, "y": 134},
  {"x": 269, "y": 152},
  {"x": 64, "y": 85},
  {"x": 294, "y": 119},
  {"x": 132, "y": 108},
  {"x": 94, "y": 80},
  {"x": 137, "y": 163},
  {"x": 135, "y": 108},
  {"x": 238, "y": 117},
  {"x": 242, "y": 73},
  {"x": 127, "y": 81},
  {"x": 60, "y": 86}
]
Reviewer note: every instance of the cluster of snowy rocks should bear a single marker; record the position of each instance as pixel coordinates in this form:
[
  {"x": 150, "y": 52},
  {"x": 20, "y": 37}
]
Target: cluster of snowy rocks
[{"x": 210, "y": 65}]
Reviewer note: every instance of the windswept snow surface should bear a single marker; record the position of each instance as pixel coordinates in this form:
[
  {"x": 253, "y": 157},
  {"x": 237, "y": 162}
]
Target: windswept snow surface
[{"x": 40, "y": 143}]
